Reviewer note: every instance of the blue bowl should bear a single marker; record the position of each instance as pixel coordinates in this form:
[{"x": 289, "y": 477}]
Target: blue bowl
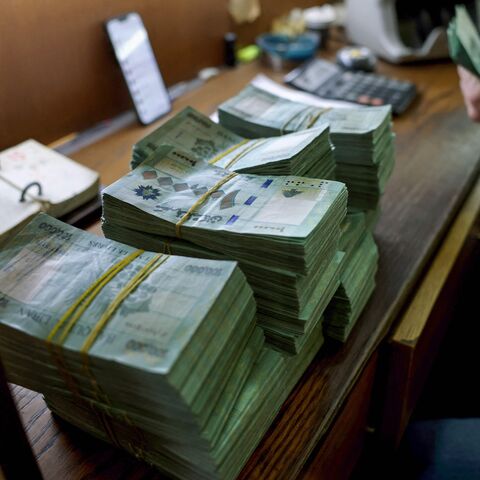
[{"x": 300, "y": 47}]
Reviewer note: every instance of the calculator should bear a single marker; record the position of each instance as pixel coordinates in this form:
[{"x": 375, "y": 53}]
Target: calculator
[{"x": 331, "y": 81}]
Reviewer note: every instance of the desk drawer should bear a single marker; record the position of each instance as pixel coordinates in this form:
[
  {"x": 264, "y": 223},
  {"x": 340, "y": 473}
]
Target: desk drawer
[{"x": 415, "y": 342}]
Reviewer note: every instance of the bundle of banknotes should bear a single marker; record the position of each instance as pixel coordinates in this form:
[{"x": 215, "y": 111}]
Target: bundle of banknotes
[
  {"x": 265, "y": 390},
  {"x": 284, "y": 231},
  {"x": 362, "y": 138},
  {"x": 165, "y": 343},
  {"x": 155, "y": 353},
  {"x": 289, "y": 306},
  {"x": 357, "y": 277},
  {"x": 308, "y": 153},
  {"x": 464, "y": 40}
]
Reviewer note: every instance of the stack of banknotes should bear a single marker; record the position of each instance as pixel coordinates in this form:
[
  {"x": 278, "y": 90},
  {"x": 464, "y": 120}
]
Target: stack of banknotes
[
  {"x": 157, "y": 354},
  {"x": 165, "y": 343},
  {"x": 308, "y": 153},
  {"x": 357, "y": 277},
  {"x": 362, "y": 137},
  {"x": 464, "y": 40},
  {"x": 277, "y": 292},
  {"x": 284, "y": 231},
  {"x": 265, "y": 390}
]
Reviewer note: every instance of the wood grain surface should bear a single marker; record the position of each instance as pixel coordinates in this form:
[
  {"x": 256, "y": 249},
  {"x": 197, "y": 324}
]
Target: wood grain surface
[
  {"x": 59, "y": 74},
  {"x": 438, "y": 151}
]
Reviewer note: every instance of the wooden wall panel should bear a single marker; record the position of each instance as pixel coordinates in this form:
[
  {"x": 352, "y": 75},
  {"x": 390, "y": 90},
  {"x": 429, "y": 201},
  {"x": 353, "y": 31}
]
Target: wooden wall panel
[{"x": 57, "y": 72}]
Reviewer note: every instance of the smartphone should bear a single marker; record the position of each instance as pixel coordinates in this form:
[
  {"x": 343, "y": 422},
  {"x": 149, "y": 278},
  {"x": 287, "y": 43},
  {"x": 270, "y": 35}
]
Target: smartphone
[{"x": 135, "y": 56}]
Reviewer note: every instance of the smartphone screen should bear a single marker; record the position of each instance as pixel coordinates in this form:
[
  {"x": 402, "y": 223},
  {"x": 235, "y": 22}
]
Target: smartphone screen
[{"x": 139, "y": 66}]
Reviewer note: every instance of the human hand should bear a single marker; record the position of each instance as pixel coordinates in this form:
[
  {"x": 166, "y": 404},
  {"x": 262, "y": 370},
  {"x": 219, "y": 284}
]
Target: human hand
[{"x": 470, "y": 86}]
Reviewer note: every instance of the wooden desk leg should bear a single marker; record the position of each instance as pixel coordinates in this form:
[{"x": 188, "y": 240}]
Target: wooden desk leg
[{"x": 16, "y": 456}]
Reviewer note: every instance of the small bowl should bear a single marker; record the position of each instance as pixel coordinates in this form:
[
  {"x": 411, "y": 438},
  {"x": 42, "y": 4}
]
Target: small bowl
[{"x": 299, "y": 48}]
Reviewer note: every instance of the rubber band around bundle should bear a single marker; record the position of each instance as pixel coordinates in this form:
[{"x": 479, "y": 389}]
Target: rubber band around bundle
[
  {"x": 235, "y": 159},
  {"x": 303, "y": 111},
  {"x": 201, "y": 200},
  {"x": 226, "y": 152}
]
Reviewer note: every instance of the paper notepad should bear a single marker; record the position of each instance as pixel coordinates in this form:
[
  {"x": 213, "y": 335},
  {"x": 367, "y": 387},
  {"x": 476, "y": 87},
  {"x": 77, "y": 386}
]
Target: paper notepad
[{"x": 65, "y": 185}]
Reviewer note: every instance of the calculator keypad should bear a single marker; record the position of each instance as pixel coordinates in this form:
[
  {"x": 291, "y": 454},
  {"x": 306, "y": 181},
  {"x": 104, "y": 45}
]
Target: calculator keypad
[{"x": 359, "y": 87}]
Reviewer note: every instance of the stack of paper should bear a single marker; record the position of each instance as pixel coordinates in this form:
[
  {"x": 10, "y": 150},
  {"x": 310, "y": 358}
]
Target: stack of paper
[
  {"x": 61, "y": 185},
  {"x": 357, "y": 277},
  {"x": 307, "y": 153},
  {"x": 283, "y": 230},
  {"x": 464, "y": 41},
  {"x": 156, "y": 348},
  {"x": 362, "y": 137}
]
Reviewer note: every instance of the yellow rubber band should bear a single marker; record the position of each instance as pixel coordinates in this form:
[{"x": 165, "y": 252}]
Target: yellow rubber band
[
  {"x": 85, "y": 304},
  {"x": 77, "y": 309},
  {"x": 317, "y": 116},
  {"x": 235, "y": 159},
  {"x": 152, "y": 265},
  {"x": 310, "y": 123},
  {"x": 67, "y": 377},
  {"x": 108, "y": 428},
  {"x": 223, "y": 154},
  {"x": 201, "y": 200},
  {"x": 293, "y": 117},
  {"x": 167, "y": 247},
  {"x": 74, "y": 313},
  {"x": 88, "y": 295}
]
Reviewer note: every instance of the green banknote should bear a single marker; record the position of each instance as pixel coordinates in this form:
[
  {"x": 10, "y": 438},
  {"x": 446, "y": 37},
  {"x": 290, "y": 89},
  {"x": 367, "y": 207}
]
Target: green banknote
[
  {"x": 288, "y": 305},
  {"x": 266, "y": 388},
  {"x": 307, "y": 153},
  {"x": 357, "y": 277},
  {"x": 284, "y": 231},
  {"x": 363, "y": 139},
  {"x": 464, "y": 40},
  {"x": 177, "y": 343},
  {"x": 255, "y": 111},
  {"x": 277, "y": 221}
]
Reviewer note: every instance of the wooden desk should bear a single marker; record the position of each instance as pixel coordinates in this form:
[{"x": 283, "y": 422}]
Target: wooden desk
[{"x": 325, "y": 416}]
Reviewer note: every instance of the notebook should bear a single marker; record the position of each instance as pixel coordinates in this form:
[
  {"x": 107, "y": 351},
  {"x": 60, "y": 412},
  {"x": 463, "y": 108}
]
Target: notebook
[{"x": 58, "y": 185}]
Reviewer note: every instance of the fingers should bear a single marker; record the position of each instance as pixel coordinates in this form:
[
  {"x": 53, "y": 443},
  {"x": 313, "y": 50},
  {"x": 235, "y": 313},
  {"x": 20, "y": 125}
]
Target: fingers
[{"x": 470, "y": 86}]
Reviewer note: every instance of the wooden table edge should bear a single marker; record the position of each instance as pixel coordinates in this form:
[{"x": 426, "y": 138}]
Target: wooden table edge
[{"x": 415, "y": 317}]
